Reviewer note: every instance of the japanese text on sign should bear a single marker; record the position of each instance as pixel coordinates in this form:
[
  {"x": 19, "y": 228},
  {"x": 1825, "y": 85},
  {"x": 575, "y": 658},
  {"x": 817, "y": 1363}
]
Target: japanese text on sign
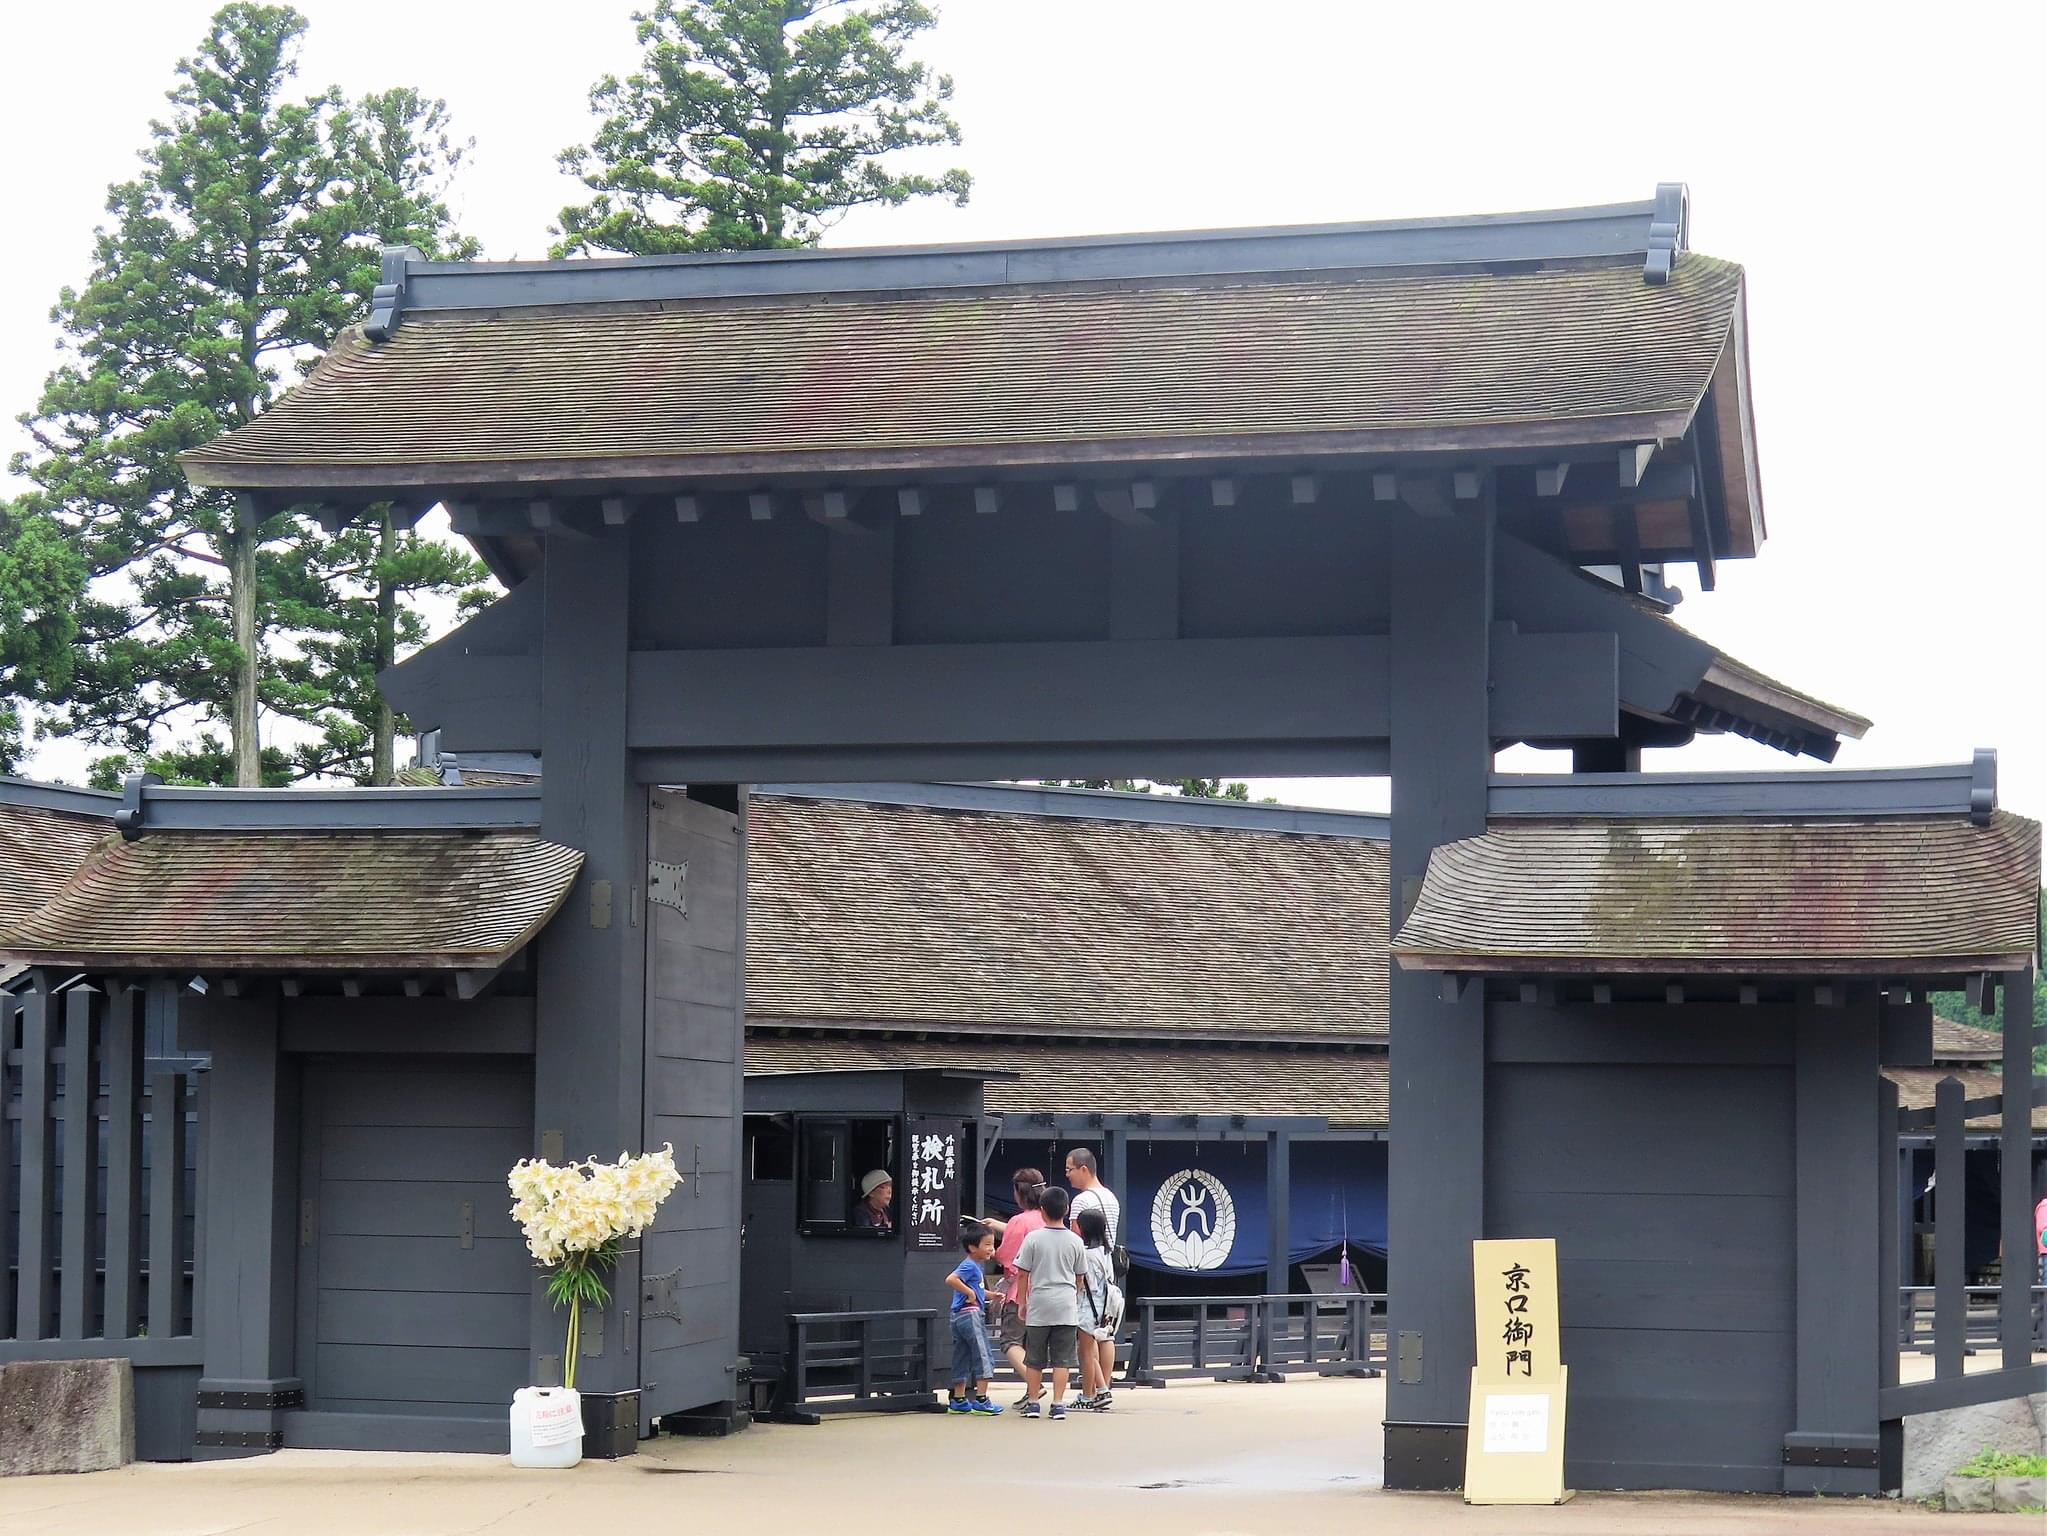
[
  {"x": 934, "y": 1184},
  {"x": 1515, "y": 1291}
]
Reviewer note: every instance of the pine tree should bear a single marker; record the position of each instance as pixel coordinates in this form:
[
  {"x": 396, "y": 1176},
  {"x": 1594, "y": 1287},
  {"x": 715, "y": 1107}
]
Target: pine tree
[
  {"x": 249, "y": 238},
  {"x": 753, "y": 124},
  {"x": 41, "y": 581}
]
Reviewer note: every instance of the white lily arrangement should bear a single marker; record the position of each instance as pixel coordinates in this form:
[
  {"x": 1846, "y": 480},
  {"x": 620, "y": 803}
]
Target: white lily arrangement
[{"x": 575, "y": 1218}]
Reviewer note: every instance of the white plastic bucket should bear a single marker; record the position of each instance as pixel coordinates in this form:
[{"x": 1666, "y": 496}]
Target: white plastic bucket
[{"x": 547, "y": 1427}]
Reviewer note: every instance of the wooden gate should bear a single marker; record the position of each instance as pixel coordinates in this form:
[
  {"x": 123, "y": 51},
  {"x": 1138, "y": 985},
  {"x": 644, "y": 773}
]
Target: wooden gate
[
  {"x": 689, "y": 1260},
  {"x": 98, "y": 1225}
]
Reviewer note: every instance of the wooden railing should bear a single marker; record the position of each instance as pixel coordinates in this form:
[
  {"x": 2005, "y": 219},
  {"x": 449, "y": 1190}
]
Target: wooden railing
[
  {"x": 1981, "y": 1316},
  {"x": 860, "y": 1362},
  {"x": 1960, "y": 1319},
  {"x": 1256, "y": 1338}
]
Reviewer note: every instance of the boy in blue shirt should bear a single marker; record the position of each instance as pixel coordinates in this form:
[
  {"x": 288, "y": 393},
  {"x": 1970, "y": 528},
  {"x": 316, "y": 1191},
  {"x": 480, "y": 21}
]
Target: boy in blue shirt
[{"x": 972, "y": 1365}]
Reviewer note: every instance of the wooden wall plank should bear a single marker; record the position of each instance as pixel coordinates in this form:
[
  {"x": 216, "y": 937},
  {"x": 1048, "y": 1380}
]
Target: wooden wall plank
[
  {"x": 81, "y": 1162},
  {"x": 123, "y": 1046},
  {"x": 1950, "y": 1185},
  {"x": 166, "y": 1206},
  {"x": 32, "y": 1249},
  {"x": 1889, "y": 1241}
]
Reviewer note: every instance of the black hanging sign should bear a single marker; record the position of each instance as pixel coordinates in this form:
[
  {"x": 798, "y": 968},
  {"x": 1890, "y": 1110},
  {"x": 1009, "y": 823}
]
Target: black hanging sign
[{"x": 932, "y": 1210}]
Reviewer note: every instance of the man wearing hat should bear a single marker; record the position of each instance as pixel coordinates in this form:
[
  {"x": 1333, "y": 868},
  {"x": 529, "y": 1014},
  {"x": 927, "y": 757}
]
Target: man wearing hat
[{"x": 877, "y": 1190}]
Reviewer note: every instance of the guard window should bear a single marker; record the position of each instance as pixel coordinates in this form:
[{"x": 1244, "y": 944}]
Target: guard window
[{"x": 832, "y": 1155}]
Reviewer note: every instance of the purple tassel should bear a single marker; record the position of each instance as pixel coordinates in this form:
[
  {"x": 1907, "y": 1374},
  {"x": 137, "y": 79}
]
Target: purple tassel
[{"x": 1343, "y": 1268}]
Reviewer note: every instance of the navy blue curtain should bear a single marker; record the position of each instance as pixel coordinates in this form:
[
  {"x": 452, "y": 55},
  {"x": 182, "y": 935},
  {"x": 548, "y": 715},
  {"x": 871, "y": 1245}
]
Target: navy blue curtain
[{"x": 1201, "y": 1207}]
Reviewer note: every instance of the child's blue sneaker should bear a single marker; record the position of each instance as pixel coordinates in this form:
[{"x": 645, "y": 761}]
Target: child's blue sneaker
[
  {"x": 960, "y": 1405},
  {"x": 1028, "y": 1408},
  {"x": 1058, "y": 1410},
  {"x": 982, "y": 1405}
]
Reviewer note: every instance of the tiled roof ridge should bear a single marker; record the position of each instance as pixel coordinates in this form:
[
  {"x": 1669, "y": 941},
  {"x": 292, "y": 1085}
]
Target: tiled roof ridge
[{"x": 1690, "y": 263}]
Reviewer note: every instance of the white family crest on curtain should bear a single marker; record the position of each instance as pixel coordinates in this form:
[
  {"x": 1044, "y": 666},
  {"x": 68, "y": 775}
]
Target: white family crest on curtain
[{"x": 1193, "y": 1220}]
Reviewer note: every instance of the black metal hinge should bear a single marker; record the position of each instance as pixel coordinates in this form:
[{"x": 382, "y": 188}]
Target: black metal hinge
[
  {"x": 290, "y": 1397},
  {"x": 1857, "y": 1458},
  {"x": 242, "y": 1439}
]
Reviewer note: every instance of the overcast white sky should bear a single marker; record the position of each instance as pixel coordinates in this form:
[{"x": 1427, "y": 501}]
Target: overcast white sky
[{"x": 1876, "y": 169}]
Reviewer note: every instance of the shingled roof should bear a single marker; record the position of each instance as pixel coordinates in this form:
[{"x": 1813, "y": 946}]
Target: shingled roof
[
  {"x": 1227, "y": 364},
  {"x": 891, "y": 915},
  {"x": 1917, "y": 1086},
  {"x": 373, "y": 900},
  {"x": 1348, "y": 1087},
  {"x": 39, "y": 850},
  {"x": 1954, "y": 1040},
  {"x": 1902, "y": 897}
]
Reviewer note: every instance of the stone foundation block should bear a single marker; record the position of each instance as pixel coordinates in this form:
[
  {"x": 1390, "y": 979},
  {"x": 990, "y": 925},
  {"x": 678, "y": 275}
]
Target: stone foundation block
[
  {"x": 1969, "y": 1495},
  {"x": 1937, "y": 1443},
  {"x": 66, "y": 1416},
  {"x": 2020, "y": 1492}
]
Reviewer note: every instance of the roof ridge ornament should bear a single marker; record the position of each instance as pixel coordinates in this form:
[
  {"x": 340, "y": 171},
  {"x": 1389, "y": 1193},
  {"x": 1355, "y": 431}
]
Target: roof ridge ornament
[
  {"x": 1982, "y": 785},
  {"x": 1670, "y": 228},
  {"x": 387, "y": 299}
]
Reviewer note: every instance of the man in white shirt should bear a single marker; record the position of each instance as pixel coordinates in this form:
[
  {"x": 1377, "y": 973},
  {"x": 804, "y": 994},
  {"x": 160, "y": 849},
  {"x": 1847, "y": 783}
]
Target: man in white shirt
[{"x": 1084, "y": 1177}]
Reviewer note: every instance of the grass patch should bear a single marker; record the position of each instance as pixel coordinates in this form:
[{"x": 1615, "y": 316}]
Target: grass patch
[{"x": 2002, "y": 1464}]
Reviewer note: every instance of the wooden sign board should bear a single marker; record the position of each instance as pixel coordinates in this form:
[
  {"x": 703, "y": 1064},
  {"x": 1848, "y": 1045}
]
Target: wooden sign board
[
  {"x": 931, "y": 1205},
  {"x": 1514, "y": 1447}
]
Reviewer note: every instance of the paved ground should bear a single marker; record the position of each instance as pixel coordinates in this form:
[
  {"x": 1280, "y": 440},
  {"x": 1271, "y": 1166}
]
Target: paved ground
[{"x": 1301, "y": 1459}]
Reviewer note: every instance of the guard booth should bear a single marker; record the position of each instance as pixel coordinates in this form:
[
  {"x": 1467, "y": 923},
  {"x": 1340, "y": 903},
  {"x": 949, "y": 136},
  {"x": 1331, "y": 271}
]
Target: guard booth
[{"x": 836, "y": 1314}]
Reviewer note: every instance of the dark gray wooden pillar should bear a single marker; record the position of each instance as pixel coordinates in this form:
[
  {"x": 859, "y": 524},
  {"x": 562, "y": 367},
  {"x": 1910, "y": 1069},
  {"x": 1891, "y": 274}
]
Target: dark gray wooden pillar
[
  {"x": 590, "y": 1037},
  {"x": 2015, "y": 1172},
  {"x": 245, "y": 1310},
  {"x": 1279, "y": 1237},
  {"x": 1441, "y": 584},
  {"x": 1835, "y": 1446},
  {"x": 1116, "y": 1173}
]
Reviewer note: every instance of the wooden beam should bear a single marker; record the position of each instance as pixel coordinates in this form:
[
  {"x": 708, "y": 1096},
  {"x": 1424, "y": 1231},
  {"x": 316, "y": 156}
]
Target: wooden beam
[
  {"x": 1629, "y": 536},
  {"x": 686, "y": 510},
  {"x": 1385, "y": 485},
  {"x": 1633, "y": 461},
  {"x": 616, "y": 510},
  {"x": 760, "y": 506},
  {"x": 1549, "y": 478},
  {"x": 540, "y": 514},
  {"x": 833, "y": 510},
  {"x": 1120, "y": 504},
  {"x": 1094, "y": 692},
  {"x": 1066, "y": 497},
  {"x": 987, "y": 500},
  {"x": 1466, "y": 484},
  {"x": 1222, "y": 492},
  {"x": 909, "y": 502},
  {"x": 1305, "y": 489},
  {"x": 1144, "y": 495}
]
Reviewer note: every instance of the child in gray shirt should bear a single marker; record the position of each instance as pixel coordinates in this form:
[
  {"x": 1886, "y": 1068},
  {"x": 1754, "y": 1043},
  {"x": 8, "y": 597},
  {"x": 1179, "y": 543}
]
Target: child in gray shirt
[{"x": 1050, "y": 1261}]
